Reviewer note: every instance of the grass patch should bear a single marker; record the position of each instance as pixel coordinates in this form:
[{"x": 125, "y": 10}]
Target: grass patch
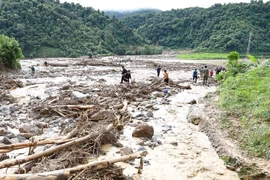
[
  {"x": 203, "y": 56},
  {"x": 247, "y": 97}
]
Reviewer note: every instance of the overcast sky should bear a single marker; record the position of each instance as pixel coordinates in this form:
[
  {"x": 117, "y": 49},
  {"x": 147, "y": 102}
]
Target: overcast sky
[{"x": 157, "y": 4}]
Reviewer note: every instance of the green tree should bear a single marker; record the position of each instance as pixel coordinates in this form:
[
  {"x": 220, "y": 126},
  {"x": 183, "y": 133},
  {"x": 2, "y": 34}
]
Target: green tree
[
  {"x": 10, "y": 52},
  {"x": 218, "y": 28},
  {"x": 45, "y": 26}
]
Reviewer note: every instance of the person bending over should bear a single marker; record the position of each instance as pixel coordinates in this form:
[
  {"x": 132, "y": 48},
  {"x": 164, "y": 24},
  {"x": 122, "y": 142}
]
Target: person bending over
[
  {"x": 166, "y": 77},
  {"x": 127, "y": 77}
]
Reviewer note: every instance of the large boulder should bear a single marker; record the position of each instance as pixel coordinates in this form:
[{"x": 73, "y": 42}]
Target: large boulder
[
  {"x": 30, "y": 129},
  {"x": 143, "y": 130},
  {"x": 196, "y": 114}
]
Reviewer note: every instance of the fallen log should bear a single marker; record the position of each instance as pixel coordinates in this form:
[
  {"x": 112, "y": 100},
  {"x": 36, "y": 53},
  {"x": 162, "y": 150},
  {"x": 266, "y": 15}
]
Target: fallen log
[
  {"x": 12, "y": 147},
  {"x": 71, "y": 134},
  {"x": 58, "y": 65},
  {"x": 72, "y": 106},
  {"x": 118, "y": 106},
  {"x": 183, "y": 87},
  {"x": 64, "y": 174},
  {"x": 102, "y": 64},
  {"x": 13, "y": 162}
]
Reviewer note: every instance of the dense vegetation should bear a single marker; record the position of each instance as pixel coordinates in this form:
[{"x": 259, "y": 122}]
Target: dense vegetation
[
  {"x": 50, "y": 28},
  {"x": 221, "y": 28},
  {"x": 10, "y": 52},
  {"x": 245, "y": 96},
  {"x": 122, "y": 14}
]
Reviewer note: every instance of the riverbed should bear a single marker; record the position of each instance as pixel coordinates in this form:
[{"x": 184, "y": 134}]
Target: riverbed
[{"x": 178, "y": 149}]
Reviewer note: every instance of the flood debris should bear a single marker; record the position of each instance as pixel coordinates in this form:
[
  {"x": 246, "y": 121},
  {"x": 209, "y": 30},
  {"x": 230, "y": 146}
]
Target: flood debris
[
  {"x": 97, "y": 118},
  {"x": 5, "y": 86},
  {"x": 87, "y": 118}
]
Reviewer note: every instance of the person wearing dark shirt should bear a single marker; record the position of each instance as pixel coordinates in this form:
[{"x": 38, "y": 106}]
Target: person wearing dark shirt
[
  {"x": 195, "y": 75},
  {"x": 205, "y": 75},
  {"x": 124, "y": 72},
  {"x": 127, "y": 77},
  {"x": 33, "y": 70},
  {"x": 158, "y": 70}
]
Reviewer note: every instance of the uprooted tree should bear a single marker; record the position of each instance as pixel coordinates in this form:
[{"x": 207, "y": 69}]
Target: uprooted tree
[{"x": 10, "y": 52}]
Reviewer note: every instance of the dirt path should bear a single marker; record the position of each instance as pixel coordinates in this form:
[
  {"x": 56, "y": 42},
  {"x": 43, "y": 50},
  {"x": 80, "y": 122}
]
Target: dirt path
[{"x": 178, "y": 149}]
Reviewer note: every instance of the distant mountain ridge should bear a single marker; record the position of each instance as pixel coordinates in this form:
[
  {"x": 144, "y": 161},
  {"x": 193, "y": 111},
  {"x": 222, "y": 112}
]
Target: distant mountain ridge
[
  {"x": 125, "y": 13},
  {"x": 222, "y": 28},
  {"x": 50, "y": 28}
]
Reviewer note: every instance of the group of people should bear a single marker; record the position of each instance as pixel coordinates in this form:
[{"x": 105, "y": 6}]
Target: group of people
[
  {"x": 219, "y": 69},
  {"x": 126, "y": 76},
  {"x": 204, "y": 72}
]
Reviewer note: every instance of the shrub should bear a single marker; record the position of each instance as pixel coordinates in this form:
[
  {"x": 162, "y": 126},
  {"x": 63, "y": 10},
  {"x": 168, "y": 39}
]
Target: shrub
[{"x": 10, "y": 52}]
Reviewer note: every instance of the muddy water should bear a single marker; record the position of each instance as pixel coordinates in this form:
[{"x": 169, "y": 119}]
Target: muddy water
[
  {"x": 192, "y": 158},
  {"x": 183, "y": 151}
]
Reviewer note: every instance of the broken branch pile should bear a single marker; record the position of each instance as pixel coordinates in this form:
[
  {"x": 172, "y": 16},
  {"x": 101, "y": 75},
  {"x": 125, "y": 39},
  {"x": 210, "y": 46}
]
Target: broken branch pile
[{"x": 98, "y": 119}]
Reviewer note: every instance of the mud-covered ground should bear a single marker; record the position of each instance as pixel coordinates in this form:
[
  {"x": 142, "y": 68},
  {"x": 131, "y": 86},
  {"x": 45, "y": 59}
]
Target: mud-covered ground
[
  {"x": 178, "y": 149},
  {"x": 213, "y": 123}
]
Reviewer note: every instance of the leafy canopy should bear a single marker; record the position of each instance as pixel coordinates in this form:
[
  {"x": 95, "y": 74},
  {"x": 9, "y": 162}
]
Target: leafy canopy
[
  {"x": 50, "y": 28},
  {"x": 10, "y": 52},
  {"x": 220, "y": 28}
]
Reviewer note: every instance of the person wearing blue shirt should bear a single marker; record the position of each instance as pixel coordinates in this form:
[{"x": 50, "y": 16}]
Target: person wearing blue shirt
[{"x": 195, "y": 75}]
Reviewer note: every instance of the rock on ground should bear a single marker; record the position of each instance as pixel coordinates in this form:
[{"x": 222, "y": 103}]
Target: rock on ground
[
  {"x": 143, "y": 130},
  {"x": 196, "y": 114}
]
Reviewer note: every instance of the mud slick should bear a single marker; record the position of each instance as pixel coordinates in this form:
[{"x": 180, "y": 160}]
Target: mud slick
[{"x": 74, "y": 120}]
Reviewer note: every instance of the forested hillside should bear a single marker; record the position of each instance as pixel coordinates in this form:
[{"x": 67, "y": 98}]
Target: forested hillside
[
  {"x": 121, "y": 14},
  {"x": 218, "y": 28},
  {"x": 50, "y": 28}
]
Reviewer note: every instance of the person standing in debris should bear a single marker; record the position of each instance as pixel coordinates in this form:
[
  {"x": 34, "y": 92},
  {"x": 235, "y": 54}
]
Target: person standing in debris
[
  {"x": 205, "y": 75},
  {"x": 127, "y": 77},
  {"x": 201, "y": 72},
  {"x": 33, "y": 70},
  {"x": 211, "y": 72},
  {"x": 46, "y": 63},
  {"x": 158, "y": 70},
  {"x": 124, "y": 72},
  {"x": 195, "y": 75},
  {"x": 218, "y": 70},
  {"x": 166, "y": 77}
]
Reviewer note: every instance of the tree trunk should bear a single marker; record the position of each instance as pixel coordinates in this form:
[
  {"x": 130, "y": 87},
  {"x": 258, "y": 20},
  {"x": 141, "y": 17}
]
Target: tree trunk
[
  {"x": 63, "y": 174},
  {"x": 49, "y": 151}
]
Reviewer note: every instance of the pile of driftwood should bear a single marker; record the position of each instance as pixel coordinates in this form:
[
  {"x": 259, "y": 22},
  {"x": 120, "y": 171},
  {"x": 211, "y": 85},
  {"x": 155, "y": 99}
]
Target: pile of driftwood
[{"x": 99, "y": 119}]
